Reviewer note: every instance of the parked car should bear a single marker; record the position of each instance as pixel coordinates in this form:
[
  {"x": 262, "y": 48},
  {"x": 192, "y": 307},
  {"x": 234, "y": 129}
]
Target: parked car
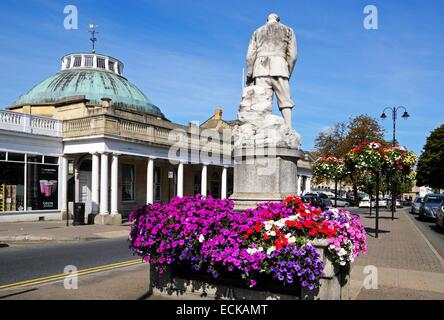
[
  {"x": 415, "y": 205},
  {"x": 325, "y": 201},
  {"x": 365, "y": 202},
  {"x": 313, "y": 200},
  {"x": 440, "y": 216},
  {"x": 430, "y": 205},
  {"x": 382, "y": 202},
  {"x": 388, "y": 203},
  {"x": 341, "y": 202}
]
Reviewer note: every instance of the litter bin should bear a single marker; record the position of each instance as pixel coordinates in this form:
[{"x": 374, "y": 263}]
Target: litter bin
[{"x": 79, "y": 213}]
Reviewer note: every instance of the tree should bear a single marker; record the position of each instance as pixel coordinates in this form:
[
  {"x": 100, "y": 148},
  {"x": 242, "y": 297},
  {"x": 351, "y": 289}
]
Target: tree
[
  {"x": 331, "y": 141},
  {"x": 430, "y": 171},
  {"x": 364, "y": 128},
  {"x": 343, "y": 136}
]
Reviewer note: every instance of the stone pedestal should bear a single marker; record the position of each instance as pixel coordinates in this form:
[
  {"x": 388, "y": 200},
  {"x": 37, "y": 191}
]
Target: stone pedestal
[
  {"x": 333, "y": 285},
  {"x": 262, "y": 175},
  {"x": 108, "y": 219}
]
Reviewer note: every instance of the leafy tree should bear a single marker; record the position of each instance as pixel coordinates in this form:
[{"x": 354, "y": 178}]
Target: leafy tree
[
  {"x": 331, "y": 141},
  {"x": 343, "y": 136},
  {"x": 364, "y": 128},
  {"x": 430, "y": 170}
]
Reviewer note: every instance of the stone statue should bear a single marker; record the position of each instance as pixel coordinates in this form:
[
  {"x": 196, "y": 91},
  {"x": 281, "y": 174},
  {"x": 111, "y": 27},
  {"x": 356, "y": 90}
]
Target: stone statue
[
  {"x": 271, "y": 58},
  {"x": 266, "y": 147}
]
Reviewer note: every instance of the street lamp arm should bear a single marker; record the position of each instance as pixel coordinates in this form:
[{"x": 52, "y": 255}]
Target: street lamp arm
[
  {"x": 401, "y": 108},
  {"x": 387, "y": 108}
]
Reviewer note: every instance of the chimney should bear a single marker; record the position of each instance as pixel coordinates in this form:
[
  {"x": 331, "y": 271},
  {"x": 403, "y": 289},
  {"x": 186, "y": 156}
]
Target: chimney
[
  {"x": 106, "y": 102},
  {"x": 218, "y": 114}
]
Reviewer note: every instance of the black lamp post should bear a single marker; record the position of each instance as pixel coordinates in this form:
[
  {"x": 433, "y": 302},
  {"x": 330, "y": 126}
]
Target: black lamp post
[{"x": 405, "y": 116}]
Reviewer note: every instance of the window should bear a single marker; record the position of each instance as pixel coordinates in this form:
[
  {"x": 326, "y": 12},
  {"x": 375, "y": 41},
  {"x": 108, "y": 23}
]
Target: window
[
  {"x": 128, "y": 182},
  {"x": 157, "y": 184},
  {"x": 89, "y": 61},
  {"x": 197, "y": 184},
  {"x": 42, "y": 187},
  {"x": 68, "y": 63},
  {"x": 119, "y": 68},
  {"x": 34, "y": 158},
  {"x": 39, "y": 191},
  {"x": 101, "y": 63},
  {"x": 16, "y": 157},
  {"x": 51, "y": 160},
  {"x": 77, "y": 61},
  {"x": 12, "y": 191},
  {"x": 111, "y": 65}
]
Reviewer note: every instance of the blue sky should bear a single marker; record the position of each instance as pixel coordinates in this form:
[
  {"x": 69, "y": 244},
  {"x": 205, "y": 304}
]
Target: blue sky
[{"x": 187, "y": 56}]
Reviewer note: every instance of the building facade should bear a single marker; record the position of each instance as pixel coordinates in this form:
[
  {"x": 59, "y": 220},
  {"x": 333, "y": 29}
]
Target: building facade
[{"x": 89, "y": 135}]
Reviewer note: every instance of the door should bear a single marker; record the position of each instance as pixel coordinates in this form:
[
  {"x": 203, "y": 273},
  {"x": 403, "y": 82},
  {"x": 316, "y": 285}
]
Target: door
[{"x": 85, "y": 190}]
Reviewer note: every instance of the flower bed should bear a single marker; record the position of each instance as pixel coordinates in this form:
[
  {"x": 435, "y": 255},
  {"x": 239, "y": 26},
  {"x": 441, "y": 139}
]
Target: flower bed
[{"x": 275, "y": 239}]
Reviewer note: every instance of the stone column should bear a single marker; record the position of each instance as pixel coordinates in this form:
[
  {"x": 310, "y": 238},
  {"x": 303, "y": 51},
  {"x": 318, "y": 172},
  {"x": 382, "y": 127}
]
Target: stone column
[
  {"x": 95, "y": 178},
  {"x": 203, "y": 187},
  {"x": 115, "y": 215},
  {"x": 224, "y": 183},
  {"x": 299, "y": 185},
  {"x": 104, "y": 217},
  {"x": 180, "y": 180},
  {"x": 64, "y": 189},
  {"x": 76, "y": 184},
  {"x": 308, "y": 187},
  {"x": 150, "y": 181},
  {"x": 104, "y": 184}
]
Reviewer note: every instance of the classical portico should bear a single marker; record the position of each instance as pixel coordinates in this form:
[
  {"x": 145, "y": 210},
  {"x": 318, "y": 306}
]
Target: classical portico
[{"x": 113, "y": 193}]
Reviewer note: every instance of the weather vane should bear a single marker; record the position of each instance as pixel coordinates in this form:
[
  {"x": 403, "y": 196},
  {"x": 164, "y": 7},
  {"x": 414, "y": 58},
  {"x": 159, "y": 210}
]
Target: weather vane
[{"x": 92, "y": 29}]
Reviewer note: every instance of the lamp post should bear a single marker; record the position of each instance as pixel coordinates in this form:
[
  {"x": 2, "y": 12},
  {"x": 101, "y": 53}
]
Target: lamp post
[{"x": 405, "y": 116}]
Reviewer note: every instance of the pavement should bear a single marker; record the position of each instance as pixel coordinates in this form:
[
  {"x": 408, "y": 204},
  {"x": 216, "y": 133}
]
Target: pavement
[
  {"x": 408, "y": 265},
  {"x": 58, "y": 231}
]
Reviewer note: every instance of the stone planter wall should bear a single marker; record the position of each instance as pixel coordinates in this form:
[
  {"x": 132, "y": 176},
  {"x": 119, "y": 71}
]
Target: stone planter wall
[{"x": 334, "y": 285}]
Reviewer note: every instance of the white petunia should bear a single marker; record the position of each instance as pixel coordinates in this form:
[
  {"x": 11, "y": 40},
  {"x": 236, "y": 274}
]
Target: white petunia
[
  {"x": 201, "y": 238},
  {"x": 268, "y": 225},
  {"x": 342, "y": 252},
  {"x": 292, "y": 239},
  {"x": 271, "y": 249}
]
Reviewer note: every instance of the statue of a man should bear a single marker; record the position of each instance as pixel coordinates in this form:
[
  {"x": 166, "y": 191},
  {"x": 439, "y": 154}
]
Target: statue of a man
[{"x": 271, "y": 58}]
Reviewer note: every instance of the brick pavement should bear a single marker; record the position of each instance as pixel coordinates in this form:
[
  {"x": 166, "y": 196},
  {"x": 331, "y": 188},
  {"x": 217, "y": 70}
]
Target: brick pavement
[{"x": 404, "y": 260}]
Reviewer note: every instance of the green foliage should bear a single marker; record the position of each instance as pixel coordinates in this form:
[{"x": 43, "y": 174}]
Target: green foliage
[{"x": 430, "y": 171}]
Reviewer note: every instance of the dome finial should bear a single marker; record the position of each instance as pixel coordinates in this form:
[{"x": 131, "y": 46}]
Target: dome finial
[{"x": 92, "y": 29}]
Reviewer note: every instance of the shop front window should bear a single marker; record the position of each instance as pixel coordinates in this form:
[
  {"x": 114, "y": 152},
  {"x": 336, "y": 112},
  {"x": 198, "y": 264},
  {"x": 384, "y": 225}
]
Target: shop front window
[
  {"x": 128, "y": 182},
  {"x": 12, "y": 191},
  {"x": 42, "y": 187},
  {"x": 28, "y": 182}
]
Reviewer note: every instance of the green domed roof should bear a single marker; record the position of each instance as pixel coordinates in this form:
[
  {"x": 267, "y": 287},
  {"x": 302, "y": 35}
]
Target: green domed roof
[{"x": 94, "y": 84}]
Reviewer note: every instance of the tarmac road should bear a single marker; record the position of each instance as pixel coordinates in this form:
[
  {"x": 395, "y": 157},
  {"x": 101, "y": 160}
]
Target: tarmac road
[{"x": 25, "y": 262}]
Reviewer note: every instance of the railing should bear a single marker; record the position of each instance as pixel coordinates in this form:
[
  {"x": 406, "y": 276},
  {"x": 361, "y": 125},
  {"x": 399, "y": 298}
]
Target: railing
[
  {"x": 100, "y": 124},
  {"x": 20, "y": 122}
]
